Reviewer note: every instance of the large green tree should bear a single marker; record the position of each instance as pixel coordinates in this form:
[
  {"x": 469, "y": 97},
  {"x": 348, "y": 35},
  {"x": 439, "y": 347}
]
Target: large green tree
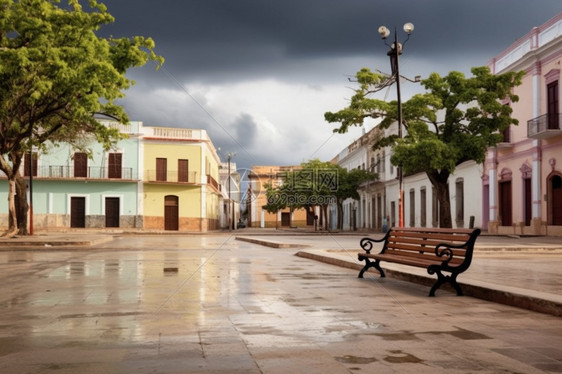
[
  {"x": 454, "y": 121},
  {"x": 56, "y": 75}
]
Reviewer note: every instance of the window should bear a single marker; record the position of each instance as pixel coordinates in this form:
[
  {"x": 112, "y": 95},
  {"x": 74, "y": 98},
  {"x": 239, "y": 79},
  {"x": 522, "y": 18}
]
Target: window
[
  {"x": 27, "y": 163},
  {"x": 80, "y": 165},
  {"x": 412, "y": 208},
  {"x": 423, "y": 208},
  {"x": 114, "y": 165},
  {"x": 552, "y": 105},
  {"x": 183, "y": 170},
  {"x": 459, "y": 201},
  {"x": 434, "y": 208},
  {"x": 161, "y": 169},
  {"x": 507, "y": 135}
]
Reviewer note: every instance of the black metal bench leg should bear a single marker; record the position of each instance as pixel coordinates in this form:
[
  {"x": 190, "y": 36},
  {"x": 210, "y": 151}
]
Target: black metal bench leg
[
  {"x": 371, "y": 264},
  {"x": 456, "y": 286},
  {"x": 441, "y": 279}
]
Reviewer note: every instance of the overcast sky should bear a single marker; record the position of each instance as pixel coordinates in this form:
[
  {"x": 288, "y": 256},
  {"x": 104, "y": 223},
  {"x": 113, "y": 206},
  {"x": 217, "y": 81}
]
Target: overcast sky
[{"x": 259, "y": 75}]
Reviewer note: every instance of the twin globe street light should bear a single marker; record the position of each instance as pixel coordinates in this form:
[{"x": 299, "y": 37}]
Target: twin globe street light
[{"x": 394, "y": 52}]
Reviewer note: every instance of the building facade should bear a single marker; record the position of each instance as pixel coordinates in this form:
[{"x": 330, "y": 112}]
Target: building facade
[
  {"x": 259, "y": 177},
  {"x": 72, "y": 188},
  {"x": 522, "y": 180},
  {"x": 180, "y": 183},
  {"x": 156, "y": 178}
]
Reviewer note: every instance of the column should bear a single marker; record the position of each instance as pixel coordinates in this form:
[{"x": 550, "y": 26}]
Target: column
[{"x": 536, "y": 186}]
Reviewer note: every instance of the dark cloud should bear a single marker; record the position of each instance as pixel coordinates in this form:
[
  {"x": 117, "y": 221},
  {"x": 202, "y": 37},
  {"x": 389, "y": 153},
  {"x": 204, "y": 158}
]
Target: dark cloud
[
  {"x": 246, "y": 129},
  {"x": 225, "y": 38},
  {"x": 311, "y": 43}
]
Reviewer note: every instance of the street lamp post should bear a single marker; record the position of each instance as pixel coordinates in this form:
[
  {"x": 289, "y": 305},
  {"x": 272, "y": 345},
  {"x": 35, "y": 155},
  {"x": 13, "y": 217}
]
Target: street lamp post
[
  {"x": 228, "y": 214},
  {"x": 394, "y": 53}
]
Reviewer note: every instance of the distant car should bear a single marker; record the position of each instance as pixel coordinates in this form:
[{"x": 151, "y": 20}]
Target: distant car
[{"x": 240, "y": 224}]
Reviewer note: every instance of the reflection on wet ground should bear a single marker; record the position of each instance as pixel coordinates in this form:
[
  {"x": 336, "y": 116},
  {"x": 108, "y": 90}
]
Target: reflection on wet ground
[{"x": 184, "y": 304}]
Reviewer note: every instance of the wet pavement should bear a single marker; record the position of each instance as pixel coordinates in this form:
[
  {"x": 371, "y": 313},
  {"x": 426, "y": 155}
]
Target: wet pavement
[{"x": 214, "y": 304}]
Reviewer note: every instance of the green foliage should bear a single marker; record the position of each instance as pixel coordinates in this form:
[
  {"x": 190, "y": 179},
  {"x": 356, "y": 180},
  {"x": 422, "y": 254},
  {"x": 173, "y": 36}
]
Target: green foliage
[
  {"x": 57, "y": 74},
  {"x": 361, "y": 106},
  {"x": 456, "y": 120}
]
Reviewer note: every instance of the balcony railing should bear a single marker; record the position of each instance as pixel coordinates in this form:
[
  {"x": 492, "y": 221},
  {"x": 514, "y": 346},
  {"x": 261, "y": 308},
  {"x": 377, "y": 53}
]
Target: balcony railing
[
  {"x": 212, "y": 181},
  {"x": 170, "y": 176},
  {"x": 91, "y": 172},
  {"x": 545, "y": 126}
]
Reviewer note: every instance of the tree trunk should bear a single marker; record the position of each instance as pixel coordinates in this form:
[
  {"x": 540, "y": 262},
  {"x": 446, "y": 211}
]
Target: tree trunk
[
  {"x": 340, "y": 214},
  {"x": 13, "y": 219},
  {"x": 440, "y": 180},
  {"x": 21, "y": 205}
]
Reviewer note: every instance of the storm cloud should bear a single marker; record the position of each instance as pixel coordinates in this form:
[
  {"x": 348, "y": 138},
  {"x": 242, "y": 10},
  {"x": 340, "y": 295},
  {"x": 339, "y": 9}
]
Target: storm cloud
[{"x": 259, "y": 74}]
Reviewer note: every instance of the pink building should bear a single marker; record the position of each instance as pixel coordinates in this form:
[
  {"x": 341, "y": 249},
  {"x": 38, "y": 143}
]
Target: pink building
[{"x": 522, "y": 181}]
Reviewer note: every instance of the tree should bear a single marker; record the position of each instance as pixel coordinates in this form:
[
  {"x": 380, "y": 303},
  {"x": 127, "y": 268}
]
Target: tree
[
  {"x": 349, "y": 183},
  {"x": 455, "y": 121},
  {"x": 312, "y": 185},
  {"x": 316, "y": 184},
  {"x": 56, "y": 75}
]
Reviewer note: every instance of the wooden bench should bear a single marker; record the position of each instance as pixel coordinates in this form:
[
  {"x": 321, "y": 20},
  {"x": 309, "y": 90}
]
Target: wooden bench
[{"x": 437, "y": 250}]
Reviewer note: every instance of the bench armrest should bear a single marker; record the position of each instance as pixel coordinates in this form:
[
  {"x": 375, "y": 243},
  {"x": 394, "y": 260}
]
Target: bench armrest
[
  {"x": 446, "y": 249},
  {"x": 367, "y": 243}
]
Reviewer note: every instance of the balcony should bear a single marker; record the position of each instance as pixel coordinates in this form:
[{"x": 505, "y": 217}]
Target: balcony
[
  {"x": 92, "y": 172},
  {"x": 172, "y": 176},
  {"x": 545, "y": 126},
  {"x": 213, "y": 182}
]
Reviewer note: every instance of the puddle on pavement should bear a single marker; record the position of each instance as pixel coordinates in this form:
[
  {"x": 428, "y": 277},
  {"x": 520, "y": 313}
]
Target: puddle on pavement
[
  {"x": 399, "y": 336},
  {"x": 348, "y": 359},
  {"x": 399, "y": 357}
]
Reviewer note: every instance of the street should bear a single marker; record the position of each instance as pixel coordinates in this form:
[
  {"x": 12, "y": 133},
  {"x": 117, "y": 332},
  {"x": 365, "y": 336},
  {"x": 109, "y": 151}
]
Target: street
[{"x": 212, "y": 304}]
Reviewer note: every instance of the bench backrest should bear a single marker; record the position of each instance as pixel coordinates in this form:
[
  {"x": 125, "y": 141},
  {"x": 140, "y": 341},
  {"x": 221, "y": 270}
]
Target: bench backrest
[{"x": 420, "y": 243}]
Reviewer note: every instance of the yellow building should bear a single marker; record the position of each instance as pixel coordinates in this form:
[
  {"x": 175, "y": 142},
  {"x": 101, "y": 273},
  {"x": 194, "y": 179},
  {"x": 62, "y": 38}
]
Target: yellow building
[
  {"x": 180, "y": 181},
  {"x": 257, "y": 199}
]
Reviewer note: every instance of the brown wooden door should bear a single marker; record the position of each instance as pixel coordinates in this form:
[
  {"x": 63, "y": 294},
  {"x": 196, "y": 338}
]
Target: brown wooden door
[
  {"x": 183, "y": 170},
  {"x": 528, "y": 201},
  {"x": 171, "y": 212},
  {"x": 286, "y": 219},
  {"x": 552, "y": 96},
  {"x": 80, "y": 165},
  {"x": 114, "y": 165},
  {"x": 556, "y": 185},
  {"x": 505, "y": 203},
  {"x": 77, "y": 212},
  {"x": 111, "y": 212},
  {"x": 161, "y": 169}
]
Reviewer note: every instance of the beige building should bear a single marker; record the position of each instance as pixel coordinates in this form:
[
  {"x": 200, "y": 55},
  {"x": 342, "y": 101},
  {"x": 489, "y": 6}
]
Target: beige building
[
  {"x": 261, "y": 176},
  {"x": 180, "y": 182}
]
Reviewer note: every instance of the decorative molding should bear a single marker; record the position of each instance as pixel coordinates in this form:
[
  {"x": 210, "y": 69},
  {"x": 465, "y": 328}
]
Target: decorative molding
[
  {"x": 526, "y": 171},
  {"x": 552, "y": 76},
  {"x": 505, "y": 175}
]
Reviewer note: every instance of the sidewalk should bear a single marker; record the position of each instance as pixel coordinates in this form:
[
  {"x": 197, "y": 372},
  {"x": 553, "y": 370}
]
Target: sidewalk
[{"x": 522, "y": 272}]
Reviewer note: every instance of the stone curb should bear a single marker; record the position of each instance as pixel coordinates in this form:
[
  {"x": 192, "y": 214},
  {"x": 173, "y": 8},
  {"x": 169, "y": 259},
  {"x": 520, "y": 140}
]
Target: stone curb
[{"x": 513, "y": 296}]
